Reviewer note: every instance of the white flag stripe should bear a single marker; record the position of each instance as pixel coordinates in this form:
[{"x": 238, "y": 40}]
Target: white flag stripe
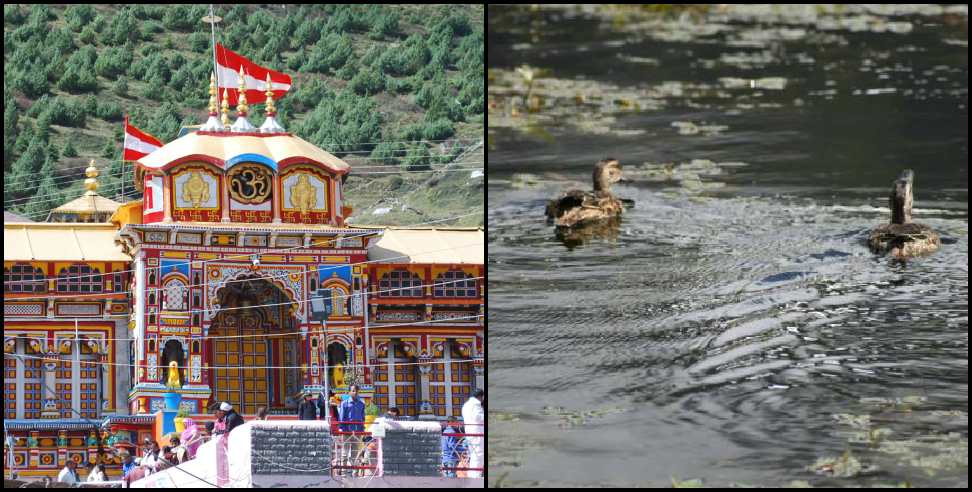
[
  {"x": 229, "y": 78},
  {"x": 132, "y": 142}
]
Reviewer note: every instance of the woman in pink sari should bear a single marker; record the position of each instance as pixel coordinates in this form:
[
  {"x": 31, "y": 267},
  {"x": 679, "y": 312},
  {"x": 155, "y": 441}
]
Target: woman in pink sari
[{"x": 191, "y": 438}]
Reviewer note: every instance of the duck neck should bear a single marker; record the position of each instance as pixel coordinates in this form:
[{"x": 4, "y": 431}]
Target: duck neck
[
  {"x": 601, "y": 182},
  {"x": 900, "y": 202}
]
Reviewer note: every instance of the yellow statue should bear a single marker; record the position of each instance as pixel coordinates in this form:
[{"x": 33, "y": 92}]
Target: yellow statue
[
  {"x": 195, "y": 190},
  {"x": 303, "y": 195},
  {"x": 338, "y": 376},
  {"x": 173, "y": 381}
]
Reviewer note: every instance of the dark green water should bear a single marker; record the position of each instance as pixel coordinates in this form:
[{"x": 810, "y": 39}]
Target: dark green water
[{"x": 737, "y": 329}]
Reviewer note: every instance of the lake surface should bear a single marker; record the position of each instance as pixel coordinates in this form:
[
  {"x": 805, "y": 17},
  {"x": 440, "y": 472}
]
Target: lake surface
[{"x": 735, "y": 329}]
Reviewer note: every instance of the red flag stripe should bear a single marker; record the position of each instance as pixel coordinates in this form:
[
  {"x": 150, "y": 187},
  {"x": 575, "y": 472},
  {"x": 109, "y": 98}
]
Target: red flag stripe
[
  {"x": 229, "y": 67},
  {"x": 137, "y": 143}
]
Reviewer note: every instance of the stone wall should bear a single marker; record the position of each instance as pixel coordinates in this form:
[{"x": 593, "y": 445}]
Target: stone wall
[
  {"x": 412, "y": 449},
  {"x": 290, "y": 448}
]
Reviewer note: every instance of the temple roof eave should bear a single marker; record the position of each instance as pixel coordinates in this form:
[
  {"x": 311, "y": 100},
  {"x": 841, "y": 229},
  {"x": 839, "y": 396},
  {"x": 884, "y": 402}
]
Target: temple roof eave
[{"x": 222, "y": 149}]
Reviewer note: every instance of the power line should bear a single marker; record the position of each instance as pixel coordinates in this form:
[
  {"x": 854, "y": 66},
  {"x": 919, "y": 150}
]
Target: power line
[
  {"x": 125, "y": 174},
  {"x": 472, "y": 300},
  {"x": 265, "y": 251},
  {"x": 339, "y": 152},
  {"x": 321, "y": 367}
]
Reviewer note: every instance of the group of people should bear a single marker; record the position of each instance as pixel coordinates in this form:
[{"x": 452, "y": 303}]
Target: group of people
[
  {"x": 349, "y": 410},
  {"x": 347, "y": 416}
]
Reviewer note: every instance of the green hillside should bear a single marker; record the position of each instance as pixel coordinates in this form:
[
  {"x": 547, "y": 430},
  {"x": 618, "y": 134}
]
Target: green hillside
[{"x": 397, "y": 91}]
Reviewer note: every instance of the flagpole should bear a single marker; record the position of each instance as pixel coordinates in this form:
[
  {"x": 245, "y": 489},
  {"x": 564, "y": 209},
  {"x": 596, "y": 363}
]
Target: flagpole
[{"x": 212, "y": 19}]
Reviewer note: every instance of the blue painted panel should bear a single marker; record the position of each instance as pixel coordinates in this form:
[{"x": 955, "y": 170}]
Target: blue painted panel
[
  {"x": 326, "y": 272},
  {"x": 261, "y": 159},
  {"x": 181, "y": 266}
]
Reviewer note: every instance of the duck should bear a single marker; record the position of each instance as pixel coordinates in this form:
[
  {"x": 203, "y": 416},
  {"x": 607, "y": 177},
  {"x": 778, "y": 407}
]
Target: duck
[
  {"x": 576, "y": 208},
  {"x": 903, "y": 238}
]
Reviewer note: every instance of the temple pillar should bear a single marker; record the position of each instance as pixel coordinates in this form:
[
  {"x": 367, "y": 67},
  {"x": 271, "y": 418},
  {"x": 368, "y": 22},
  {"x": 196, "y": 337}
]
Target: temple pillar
[
  {"x": 32, "y": 442},
  {"x": 423, "y": 397},
  {"x": 226, "y": 200},
  {"x": 62, "y": 443},
  {"x": 167, "y": 197}
]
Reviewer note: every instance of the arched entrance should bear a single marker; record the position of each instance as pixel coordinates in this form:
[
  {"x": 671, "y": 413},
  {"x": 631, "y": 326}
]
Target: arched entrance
[
  {"x": 337, "y": 355},
  {"x": 250, "y": 366}
]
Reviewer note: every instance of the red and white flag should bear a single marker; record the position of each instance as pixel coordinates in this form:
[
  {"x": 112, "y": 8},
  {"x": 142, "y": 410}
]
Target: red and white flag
[
  {"x": 138, "y": 144},
  {"x": 229, "y": 64}
]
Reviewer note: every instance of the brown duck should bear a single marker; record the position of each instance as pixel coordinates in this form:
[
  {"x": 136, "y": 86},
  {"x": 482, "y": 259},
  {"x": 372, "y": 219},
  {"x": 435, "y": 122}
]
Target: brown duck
[
  {"x": 580, "y": 208},
  {"x": 903, "y": 238}
]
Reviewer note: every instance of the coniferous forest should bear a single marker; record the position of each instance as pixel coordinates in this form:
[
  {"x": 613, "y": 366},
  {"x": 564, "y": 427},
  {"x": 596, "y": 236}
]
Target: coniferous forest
[{"x": 397, "y": 91}]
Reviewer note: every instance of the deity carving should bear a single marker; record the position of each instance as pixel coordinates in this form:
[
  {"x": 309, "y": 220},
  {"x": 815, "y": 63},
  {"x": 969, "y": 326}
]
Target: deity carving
[
  {"x": 338, "y": 375},
  {"x": 303, "y": 195},
  {"x": 195, "y": 190},
  {"x": 173, "y": 381}
]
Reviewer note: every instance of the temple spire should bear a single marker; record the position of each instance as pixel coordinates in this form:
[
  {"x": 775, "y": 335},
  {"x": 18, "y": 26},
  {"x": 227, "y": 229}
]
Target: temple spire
[
  {"x": 242, "y": 124},
  {"x": 226, "y": 123},
  {"x": 212, "y": 124},
  {"x": 91, "y": 184},
  {"x": 270, "y": 124}
]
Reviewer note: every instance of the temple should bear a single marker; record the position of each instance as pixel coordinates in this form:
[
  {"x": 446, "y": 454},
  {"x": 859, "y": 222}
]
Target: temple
[{"x": 238, "y": 266}]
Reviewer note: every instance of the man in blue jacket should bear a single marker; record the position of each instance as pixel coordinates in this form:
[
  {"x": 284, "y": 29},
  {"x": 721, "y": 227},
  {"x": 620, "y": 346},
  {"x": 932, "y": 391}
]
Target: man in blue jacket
[{"x": 352, "y": 410}]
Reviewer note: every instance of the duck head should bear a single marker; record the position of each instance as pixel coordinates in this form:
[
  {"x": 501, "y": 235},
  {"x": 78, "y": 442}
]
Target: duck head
[
  {"x": 901, "y": 198},
  {"x": 606, "y": 171}
]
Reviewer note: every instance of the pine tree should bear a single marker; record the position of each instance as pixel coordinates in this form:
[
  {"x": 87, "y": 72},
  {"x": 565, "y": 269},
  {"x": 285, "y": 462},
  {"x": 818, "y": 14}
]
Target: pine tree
[
  {"x": 11, "y": 116},
  {"x": 23, "y": 176},
  {"x": 69, "y": 150},
  {"x": 48, "y": 195}
]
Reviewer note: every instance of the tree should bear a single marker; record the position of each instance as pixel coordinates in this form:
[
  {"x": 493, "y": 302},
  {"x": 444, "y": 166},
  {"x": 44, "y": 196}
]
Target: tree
[
  {"x": 178, "y": 18},
  {"x": 113, "y": 62},
  {"x": 368, "y": 81},
  {"x": 120, "y": 87},
  {"x": 11, "y": 116},
  {"x": 343, "y": 123},
  {"x": 417, "y": 158},
  {"x": 48, "y": 195},
  {"x": 44, "y": 127},
  {"x": 33, "y": 81},
  {"x": 388, "y": 153},
  {"x": 78, "y": 16},
  {"x": 23, "y": 178},
  {"x": 69, "y": 150}
]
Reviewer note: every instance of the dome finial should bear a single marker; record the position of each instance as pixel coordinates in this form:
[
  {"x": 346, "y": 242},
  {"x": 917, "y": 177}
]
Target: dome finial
[
  {"x": 91, "y": 184},
  {"x": 270, "y": 109},
  {"x": 241, "y": 107},
  {"x": 212, "y": 95},
  {"x": 226, "y": 123}
]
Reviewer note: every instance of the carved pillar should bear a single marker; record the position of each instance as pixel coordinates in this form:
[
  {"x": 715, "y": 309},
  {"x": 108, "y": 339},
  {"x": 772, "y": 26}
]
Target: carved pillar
[
  {"x": 167, "y": 199},
  {"x": 423, "y": 396},
  {"x": 62, "y": 444},
  {"x": 224, "y": 189},
  {"x": 34, "y": 452},
  {"x": 50, "y": 398}
]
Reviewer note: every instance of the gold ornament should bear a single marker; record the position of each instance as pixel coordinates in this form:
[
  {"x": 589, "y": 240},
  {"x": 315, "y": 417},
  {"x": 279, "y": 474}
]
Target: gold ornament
[
  {"x": 195, "y": 190},
  {"x": 303, "y": 195}
]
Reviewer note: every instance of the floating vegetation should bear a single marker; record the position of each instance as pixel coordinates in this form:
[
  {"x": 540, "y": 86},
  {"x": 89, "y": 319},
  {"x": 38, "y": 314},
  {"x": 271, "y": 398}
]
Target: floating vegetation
[
  {"x": 529, "y": 97},
  {"x": 844, "y": 466},
  {"x": 692, "y": 483},
  {"x": 688, "y": 175}
]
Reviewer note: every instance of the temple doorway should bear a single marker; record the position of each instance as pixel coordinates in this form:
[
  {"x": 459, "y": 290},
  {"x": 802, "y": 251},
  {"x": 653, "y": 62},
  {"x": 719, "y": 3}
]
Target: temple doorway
[
  {"x": 255, "y": 355},
  {"x": 337, "y": 361}
]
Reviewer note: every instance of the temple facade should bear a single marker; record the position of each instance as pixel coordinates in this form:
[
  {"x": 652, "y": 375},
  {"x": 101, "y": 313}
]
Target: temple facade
[{"x": 238, "y": 269}]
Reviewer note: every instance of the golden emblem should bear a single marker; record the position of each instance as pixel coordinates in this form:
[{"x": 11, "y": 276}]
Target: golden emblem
[
  {"x": 195, "y": 190},
  {"x": 250, "y": 185},
  {"x": 303, "y": 195}
]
